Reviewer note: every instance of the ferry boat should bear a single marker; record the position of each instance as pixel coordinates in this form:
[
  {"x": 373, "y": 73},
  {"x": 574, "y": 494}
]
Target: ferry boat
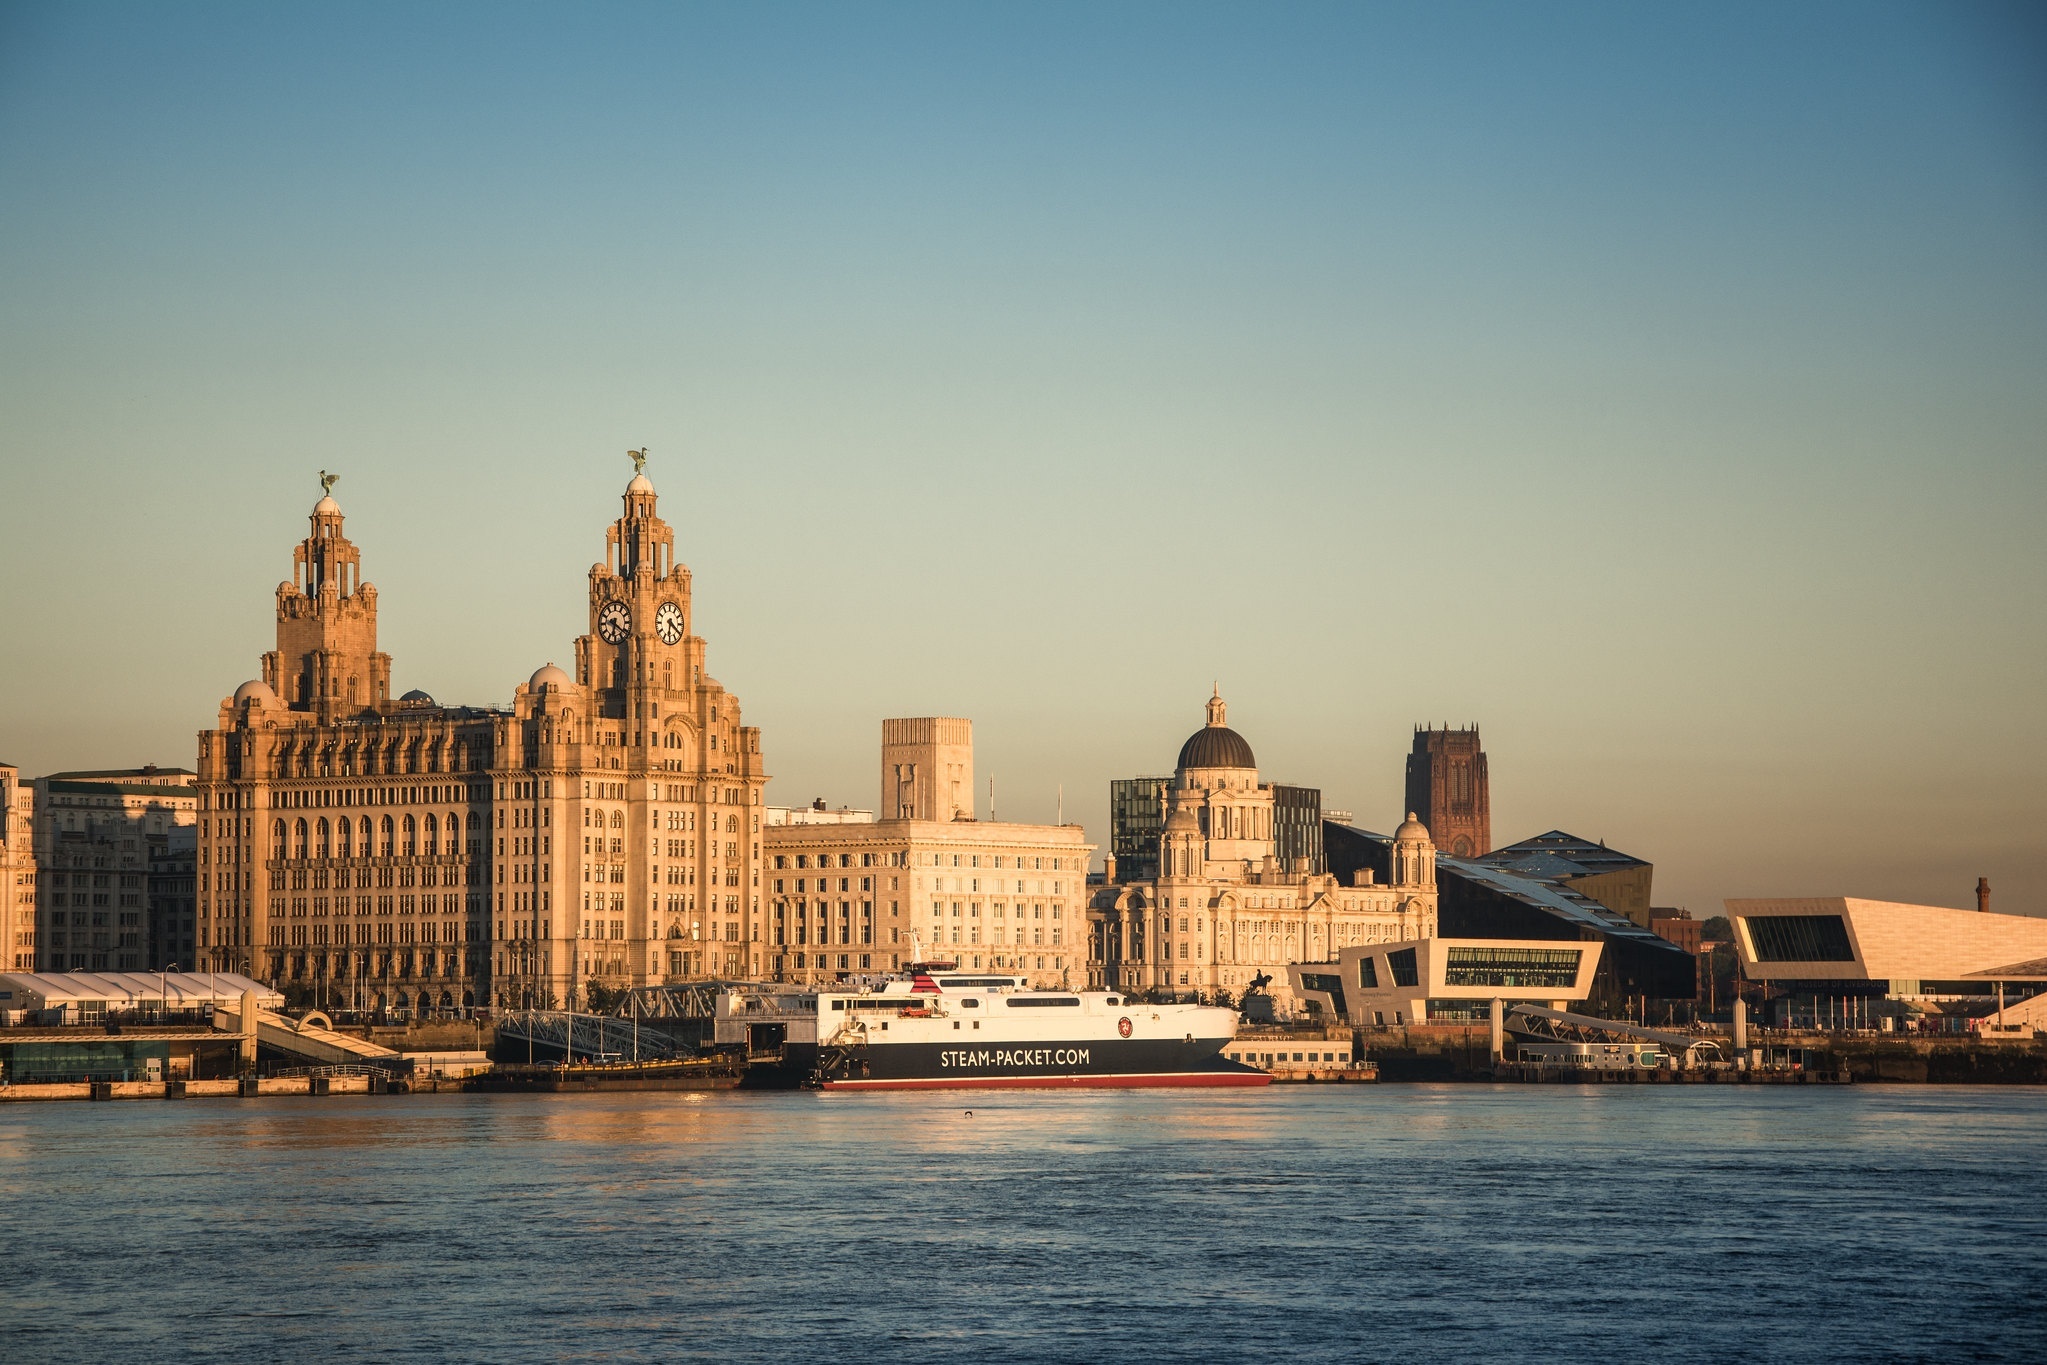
[{"x": 941, "y": 1028}]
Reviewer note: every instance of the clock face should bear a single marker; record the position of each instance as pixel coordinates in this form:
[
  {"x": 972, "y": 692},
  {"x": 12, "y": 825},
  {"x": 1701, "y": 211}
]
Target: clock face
[
  {"x": 614, "y": 622},
  {"x": 668, "y": 623}
]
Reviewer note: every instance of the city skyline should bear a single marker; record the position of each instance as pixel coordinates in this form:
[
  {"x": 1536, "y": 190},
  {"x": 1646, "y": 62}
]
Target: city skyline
[{"x": 1666, "y": 407}]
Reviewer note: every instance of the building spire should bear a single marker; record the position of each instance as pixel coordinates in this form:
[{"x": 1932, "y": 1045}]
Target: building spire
[{"x": 1216, "y": 709}]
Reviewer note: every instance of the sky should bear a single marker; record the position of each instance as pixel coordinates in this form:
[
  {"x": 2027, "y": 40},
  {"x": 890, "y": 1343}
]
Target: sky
[{"x": 1662, "y": 388}]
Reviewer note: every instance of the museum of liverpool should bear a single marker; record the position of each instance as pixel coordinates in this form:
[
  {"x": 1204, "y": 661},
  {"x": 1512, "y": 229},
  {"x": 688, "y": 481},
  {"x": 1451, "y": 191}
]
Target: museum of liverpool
[{"x": 1835, "y": 961}]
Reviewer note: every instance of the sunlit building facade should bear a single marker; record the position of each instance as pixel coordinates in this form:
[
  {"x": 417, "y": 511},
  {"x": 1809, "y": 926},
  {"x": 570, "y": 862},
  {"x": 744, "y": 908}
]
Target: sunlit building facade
[
  {"x": 393, "y": 852},
  {"x": 1225, "y": 912}
]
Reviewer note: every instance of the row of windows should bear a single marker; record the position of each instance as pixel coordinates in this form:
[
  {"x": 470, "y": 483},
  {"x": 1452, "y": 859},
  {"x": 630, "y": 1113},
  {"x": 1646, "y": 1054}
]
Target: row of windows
[
  {"x": 307, "y": 798},
  {"x": 317, "y": 906},
  {"x": 972, "y": 885},
  {"x": 1249, "y": 1058},
  {"x": 408, "y": 837},
  {"x": 317, "y": 935},
  {"x": 823, "y": 884},
  {"x": 394, "y": 758},
  {"x": 1000, "y": 910},
  {"x": 996, "y": 935}
]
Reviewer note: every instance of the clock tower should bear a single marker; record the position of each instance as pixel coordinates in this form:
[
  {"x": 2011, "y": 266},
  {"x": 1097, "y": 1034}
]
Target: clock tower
[
  {"x": 654, "y": 788},
  {"x": 639, "y": 642}
]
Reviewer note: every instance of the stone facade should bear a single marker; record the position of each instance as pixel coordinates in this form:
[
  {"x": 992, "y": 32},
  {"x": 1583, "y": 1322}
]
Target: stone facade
[
  {"x": 1447, "y": 788},
  {"x": 397, "y": 853},
  {"x": 1224, "y": 913},
  {"x": 17, "y": 870},
  {"x": 859, "y": 897},
  {"x": 96, "y": 837}
]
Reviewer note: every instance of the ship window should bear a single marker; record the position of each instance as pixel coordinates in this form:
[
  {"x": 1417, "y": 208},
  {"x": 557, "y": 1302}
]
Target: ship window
[
  {"x": 1114, "y": 1001},
  {"x": 971, "y": 1004},
  {"x": 1020, "y": 1002}
]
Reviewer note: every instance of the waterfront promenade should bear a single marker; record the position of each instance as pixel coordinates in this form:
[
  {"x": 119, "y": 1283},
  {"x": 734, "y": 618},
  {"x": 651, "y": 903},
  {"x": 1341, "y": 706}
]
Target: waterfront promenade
[{"x": 1423, "y": 1221}]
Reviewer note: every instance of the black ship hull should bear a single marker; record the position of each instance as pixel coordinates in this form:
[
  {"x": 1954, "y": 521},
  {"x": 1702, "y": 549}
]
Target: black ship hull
[{"x": 1066, "y": 1063}]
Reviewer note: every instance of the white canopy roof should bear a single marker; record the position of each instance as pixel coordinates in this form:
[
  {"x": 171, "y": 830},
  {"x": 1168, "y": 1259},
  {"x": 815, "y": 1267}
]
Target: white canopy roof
[{"x": 125, "y": 990}]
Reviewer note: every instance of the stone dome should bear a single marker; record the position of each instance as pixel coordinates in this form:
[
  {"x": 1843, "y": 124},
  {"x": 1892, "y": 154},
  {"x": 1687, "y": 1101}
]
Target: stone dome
[
  {"x": 640, "y": 484},
  {"x": 547, "y": 675},
  {"x": 418, "y": 695},
  {"x": 1411, "y": 828},
  {"x": 326, "y": 506},
  {"x": 257, "y": 691}
]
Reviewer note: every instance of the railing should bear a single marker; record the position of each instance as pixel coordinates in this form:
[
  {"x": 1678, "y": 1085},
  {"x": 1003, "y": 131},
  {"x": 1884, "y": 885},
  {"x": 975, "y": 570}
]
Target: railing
[
  {"x": 344, "y": 1069},
  {"x": 588, "y": 1035}
]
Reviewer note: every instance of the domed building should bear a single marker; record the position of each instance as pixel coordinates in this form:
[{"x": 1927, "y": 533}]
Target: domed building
[{"x": 1218, "y": 910}]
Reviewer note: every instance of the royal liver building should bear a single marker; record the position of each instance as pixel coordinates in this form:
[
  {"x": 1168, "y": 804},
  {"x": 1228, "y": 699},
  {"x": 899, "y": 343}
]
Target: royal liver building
[{"x": 385, "y": 852}]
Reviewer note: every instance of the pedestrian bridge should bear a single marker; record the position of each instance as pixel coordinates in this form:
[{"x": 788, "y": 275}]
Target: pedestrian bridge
[{"x": 312, "y": 1037}]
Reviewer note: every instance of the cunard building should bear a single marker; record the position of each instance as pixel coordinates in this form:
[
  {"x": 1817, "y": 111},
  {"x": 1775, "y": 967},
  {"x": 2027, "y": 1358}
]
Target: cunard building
[{"x": 390, "y": 852}]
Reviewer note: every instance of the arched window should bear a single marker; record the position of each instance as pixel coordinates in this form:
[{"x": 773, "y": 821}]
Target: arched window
[
  {"x": 346, "y": 846},
  {"x": 298, "y": 842},
  {"x": 277, "y": 839},
  {"x": 386, "y": 830},
  {"x": 363, "y": 844},
  {"x": 433, "y": 832},
  {"x": 618, "y": 820},
  {"x": 323, "y": 848},
  {"x": 411, "y": 840}
]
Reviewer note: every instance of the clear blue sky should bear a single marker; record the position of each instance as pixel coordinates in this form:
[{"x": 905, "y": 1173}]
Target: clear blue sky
[{"x": 1660, "y": 386}]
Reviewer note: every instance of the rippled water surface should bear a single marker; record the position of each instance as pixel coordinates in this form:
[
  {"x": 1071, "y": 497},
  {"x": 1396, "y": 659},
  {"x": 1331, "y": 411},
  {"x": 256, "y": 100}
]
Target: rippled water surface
[{"x": 1413, "y": 1222}]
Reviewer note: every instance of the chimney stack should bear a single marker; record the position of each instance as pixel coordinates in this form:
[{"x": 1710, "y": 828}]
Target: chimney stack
[{"x": 1983, "y": 894}]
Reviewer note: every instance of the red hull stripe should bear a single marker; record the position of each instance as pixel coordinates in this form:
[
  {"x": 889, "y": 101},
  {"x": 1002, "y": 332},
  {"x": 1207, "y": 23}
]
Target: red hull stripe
[{"x": 1134, "y": 1080}]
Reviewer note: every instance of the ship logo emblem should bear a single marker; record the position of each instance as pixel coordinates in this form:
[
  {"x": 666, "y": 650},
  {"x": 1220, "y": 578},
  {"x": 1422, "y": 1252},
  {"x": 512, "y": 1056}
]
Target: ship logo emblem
[{"x": 1123, "y": 1026}]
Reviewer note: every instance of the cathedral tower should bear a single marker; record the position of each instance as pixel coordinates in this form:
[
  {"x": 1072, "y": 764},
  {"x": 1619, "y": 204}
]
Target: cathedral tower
[{"x": 1447, "y": 789}]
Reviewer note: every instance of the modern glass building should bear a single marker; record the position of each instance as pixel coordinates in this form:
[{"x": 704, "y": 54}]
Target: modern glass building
[
  {"x": 1137, "y": 816},
  {"x": 1297, "y": 827},
  {"x": 1445, "y": 980},
  {"x": 1480, "y": 900},
  {"x": 1827, "y": 960}
]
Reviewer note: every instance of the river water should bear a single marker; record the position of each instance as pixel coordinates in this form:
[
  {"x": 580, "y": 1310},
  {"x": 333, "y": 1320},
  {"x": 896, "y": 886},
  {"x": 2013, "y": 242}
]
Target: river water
[{"x": 1339, "y": 1223}]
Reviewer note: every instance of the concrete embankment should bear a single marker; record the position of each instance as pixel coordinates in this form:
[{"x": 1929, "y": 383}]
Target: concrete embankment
[
  {"x": 1938, "y": 1061},
  {"x": 1463, "y": 1054},
  {"x": 229, "y": 1088}
]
